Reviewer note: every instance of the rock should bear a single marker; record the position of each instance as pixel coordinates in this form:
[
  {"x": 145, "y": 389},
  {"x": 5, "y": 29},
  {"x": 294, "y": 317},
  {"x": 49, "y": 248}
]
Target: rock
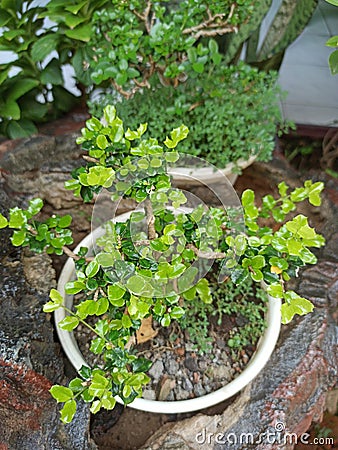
[
  {"x": 171, "y": 367},
  {"x": 199, "y": 390},
  {"x": 166, "y": 387},
  {"x": 156, "y": 370},
  {"x": 149, "y": 394},
  {"x": 191, "y": 364},
  {"x": 187, "y": 384},
  {"x": 30, "y": 154},
  {"x": 220, "y": 373},
  {"x": 30, "y": 359},
  {"x": 202, "y": 365},
  {"x": 181, "y": 394}
]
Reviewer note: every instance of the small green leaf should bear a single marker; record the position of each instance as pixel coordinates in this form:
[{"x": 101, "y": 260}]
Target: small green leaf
[
  {"x": 257, "y": 275},
  {"x": 198, "y": 67},
  {"x": 74, "y": 287},
  {"x": 95, "y": 407},
  {"x": 56, "y": 296},
  {"x": 177, "y": 312},
  {"x": 105, "y": 259},
  {"x": 101, "y": 141},
  {"x": 21, "y": 128},
  {"x": 332, "y": 42},
  {"x": 257, "y": 262},
  {"x": 294, "y": 305},
  {"x": 92, "y": 269},
  {"x": 87, "y": 308},
  {"x": 18, "y": 238},
  {"x": 16, "y": 218},
  {"x": 98, "y": 385},
  {"x": 103, "y": 306},
  {"x": 294, "y": 247},
  {"x": 43, "y": 46},
  {"x": 171, "y": 157},
  {"x": 203, "y": 289},
  {"x": 81, "y": 33},
  {"x": 126, "y": 322},
  {"x": 275, "y": 290},
  {"x": 57, "y": 301},
  {"x": 69, "y": 323},
  {"x": 50, "y": 307},
  {"x": 68, "y": 411},
  {"x": 61, "y": 393},
  {"x": 3, "y": 221},
  {"x": 165, "y": 321},
  {"x": 177, "y": 135},
  {"x": 65, "y": 221},
  {"x": 136, "y": 284},
  {"x": 52, "y": 74},
  {"x": 97, "y": 345},
  {"x": 115, "y": 294},
  {"x": 35, "y": 206},
  {"x": 283, "y": 189},
  {"x": 108, "y": 401}
]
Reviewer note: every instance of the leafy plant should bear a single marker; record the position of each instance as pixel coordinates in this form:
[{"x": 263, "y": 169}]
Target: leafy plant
[
  {"x": 134, "y": 41},
  {"x": 287, "y": 24},
  {"x": 32, "y": 82},
  {"x": 228, "y": 299},
  {"x": 29, "y": 83},
  {"x": 231, "y": 112},
  {"x": 158, "y": 261},
  {"x": 333, "y": 42}
]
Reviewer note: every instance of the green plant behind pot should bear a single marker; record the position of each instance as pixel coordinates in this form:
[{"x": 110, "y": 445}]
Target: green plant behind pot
[
  {"x": 151, "y": 272},
  {"x": 139, "y": 40},
  {"x": 32, "y": 84},
  {"x": 231, "y": 112}
]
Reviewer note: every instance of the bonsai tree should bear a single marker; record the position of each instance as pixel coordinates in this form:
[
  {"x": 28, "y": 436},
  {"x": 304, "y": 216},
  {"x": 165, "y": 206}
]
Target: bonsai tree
[{"x": 154, "y": 271}]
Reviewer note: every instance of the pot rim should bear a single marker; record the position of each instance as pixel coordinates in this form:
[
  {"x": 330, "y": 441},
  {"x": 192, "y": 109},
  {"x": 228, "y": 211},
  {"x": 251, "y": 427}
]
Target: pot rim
[
  {"x": 209, "y": 174},
  {"x": 259, "y": 359}
]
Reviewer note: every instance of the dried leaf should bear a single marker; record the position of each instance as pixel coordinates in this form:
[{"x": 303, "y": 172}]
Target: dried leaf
[{"x": 146, "y": 331}]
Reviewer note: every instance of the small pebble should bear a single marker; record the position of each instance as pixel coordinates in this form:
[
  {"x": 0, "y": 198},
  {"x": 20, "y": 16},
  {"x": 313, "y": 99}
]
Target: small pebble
[{"x": 191, "y": 363}]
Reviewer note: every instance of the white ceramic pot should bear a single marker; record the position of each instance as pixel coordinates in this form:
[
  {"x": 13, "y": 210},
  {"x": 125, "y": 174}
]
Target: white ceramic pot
[
  {"x": 265, "y": 346},
  {"x": 208, "y": 175}
]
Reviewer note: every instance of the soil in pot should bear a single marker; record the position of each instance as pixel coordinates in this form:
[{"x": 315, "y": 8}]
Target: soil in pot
[{"x": 207, "y": 349}]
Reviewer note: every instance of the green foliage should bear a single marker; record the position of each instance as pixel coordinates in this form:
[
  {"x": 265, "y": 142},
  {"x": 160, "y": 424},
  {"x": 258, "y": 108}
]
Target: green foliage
[
  {"x": 50, "y": 236},
  {"x": 243, "y": 300},
  {"x": 29, "y": 81},
  {"x": 239, "y": 104},
  {"x": 134, "y": 41},
  {"x": 333, "y": 42},
  {"x": 152, "y": 264},
  {"x": 32, "y": 84}
]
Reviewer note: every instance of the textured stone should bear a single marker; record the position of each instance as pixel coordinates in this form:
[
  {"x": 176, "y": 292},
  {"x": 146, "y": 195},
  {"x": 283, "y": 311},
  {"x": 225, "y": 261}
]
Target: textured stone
[
  {"x": 156, "y": 370},
  {"x": 30, "y": 359}
]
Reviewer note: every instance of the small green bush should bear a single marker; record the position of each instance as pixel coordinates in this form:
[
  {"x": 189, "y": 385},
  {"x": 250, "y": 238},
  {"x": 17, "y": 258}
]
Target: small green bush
[{"x": 231, "y": 112}]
